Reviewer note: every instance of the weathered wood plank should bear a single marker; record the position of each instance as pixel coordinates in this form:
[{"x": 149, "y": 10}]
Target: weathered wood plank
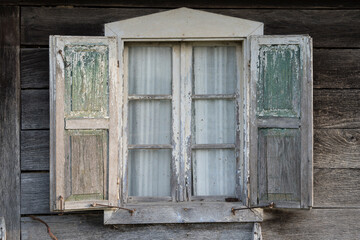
[
  {"x": 333, "y": 68},
  {"x": 333, "y": 148},
  {"x": 312, "y": 224},
  {"x": 35, "y": 193},
  {"x": 337, "y": 148},
  {"x": 34, "y": 150},
  {"x": 328, "y": 28},
  {"x": 10, "y": 120},
  {"x": 35, "y": 109},
  {"x": 332, "y": 188},
  {"x": 91, "y": 226},
  {"x": 193, "y": 4},
  {"x": 332, "y": 108},
  {"x": 337, "y": 108},
  {"x": 336, "y": 187},
  {"x": 336, "y": 68},
  {"x": 34, "y": 68}
]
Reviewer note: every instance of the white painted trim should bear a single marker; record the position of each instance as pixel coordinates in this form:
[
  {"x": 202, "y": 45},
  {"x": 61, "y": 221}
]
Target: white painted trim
[{"x": 183, "y": 23}]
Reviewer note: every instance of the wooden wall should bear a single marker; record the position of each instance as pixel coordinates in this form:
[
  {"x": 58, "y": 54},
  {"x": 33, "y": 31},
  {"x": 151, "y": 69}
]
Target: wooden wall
[{"x": 335, "y": 28}]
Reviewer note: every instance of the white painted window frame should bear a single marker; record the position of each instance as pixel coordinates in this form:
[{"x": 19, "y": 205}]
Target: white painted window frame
[
  {"x": 235, "y": 30},
  {"x": 182, "y": 99}
]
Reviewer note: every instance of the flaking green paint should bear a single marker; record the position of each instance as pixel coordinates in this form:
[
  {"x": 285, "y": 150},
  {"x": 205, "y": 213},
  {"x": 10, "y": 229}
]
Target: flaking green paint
[
  {"x": 278, "y": 88},
  {"x": 86, "y": 81}
]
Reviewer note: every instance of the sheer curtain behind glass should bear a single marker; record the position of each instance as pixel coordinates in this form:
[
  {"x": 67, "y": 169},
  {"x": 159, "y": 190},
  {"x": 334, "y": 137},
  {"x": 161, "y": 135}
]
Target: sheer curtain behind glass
[
  {"x": 215, "y": 78},
  {"x": 149, "y": 73}
]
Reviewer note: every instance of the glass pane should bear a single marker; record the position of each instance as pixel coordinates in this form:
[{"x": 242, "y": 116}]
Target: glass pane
[
  {"x": 214, "y": 172},
  {"x": 149, "y": 172},
  {"x": 150, "y": 70},
  {"x": 214, "y": 121},
  {"x": 215, "y": 70},
  {"x": 150, "y": 122}
]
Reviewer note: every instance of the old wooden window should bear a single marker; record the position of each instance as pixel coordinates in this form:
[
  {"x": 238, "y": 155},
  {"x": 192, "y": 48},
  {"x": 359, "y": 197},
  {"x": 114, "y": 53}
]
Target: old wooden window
[
  {"x": 181, "y": 121},
  {"x": 182, "y": 125}
]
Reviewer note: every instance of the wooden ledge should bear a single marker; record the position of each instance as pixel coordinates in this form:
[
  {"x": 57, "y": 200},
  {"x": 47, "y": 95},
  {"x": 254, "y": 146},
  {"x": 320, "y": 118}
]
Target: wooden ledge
[{"x": 205, "y": 212}]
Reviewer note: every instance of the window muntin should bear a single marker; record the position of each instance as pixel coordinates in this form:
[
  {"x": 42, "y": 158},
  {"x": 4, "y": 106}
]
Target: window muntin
[{"x": 210, "y": 167}]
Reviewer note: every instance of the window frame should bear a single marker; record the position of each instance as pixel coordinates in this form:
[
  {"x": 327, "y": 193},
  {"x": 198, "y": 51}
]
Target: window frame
[
  {"x": 182, "y": 98},
  {"x": 187, "y": 25}
]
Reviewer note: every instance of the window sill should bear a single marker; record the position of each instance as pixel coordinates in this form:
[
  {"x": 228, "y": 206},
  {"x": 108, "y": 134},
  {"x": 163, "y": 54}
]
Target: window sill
[{"x": 205, "y": 212}]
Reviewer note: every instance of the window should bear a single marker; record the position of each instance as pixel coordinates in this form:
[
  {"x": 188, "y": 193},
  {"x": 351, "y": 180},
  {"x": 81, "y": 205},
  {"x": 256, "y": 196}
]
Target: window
[
  {"x": 181, "y": 108},
  {"x": 183, "y": 117}
]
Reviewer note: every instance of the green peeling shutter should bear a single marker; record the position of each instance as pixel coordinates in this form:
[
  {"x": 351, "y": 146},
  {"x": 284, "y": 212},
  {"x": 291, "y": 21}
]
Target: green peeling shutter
[
  {"x": 84, "y": 136},
  {"x": 281, "y": 121}
]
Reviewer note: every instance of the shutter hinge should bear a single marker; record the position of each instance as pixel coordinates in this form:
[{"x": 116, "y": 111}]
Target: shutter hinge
[
  {"x": 118, "y": 63},
  {"x": 118, "y": 181},
  {"x": 61, "y": 203}
]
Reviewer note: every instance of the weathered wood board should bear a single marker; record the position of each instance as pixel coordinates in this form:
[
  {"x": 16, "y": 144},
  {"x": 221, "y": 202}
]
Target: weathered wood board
[
  {"x": 328, "y": 28},
  {"x": 337, "y": 148},
  {"x": 332, "y": 108},
  {"x": 90, "y": 226},
  {"x": 333, "y": 148},
  {"x": 10, "y": 120},
  {"x": 313, "y": 224},
  {"x": 336, "y": 188},
  {"x": 34, "y": 150},
  {"x": 332, "y": 188},
  {"x": 34, "y": 68},
  {"x": 35, "y": 109},
  {"x": 336, "y": 108},
  {"x": 334, "y": 68},
  {"x": 329, "y": 4},
  {"x": 35, "y": 193}
]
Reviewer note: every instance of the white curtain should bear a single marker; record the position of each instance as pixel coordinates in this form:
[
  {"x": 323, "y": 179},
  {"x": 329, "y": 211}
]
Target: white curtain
[
  {"x": 214, "y": 170},
  {"x": 149, "y": 121}
]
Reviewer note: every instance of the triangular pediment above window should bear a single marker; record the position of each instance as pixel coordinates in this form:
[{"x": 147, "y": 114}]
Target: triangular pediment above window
[{"x": 184, "y": 23}]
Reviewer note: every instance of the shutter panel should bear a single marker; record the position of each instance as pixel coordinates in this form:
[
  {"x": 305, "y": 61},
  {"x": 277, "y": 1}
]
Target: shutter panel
[
  {"x": 281, "y": 121},
  {"x": 84, "y": 122}
]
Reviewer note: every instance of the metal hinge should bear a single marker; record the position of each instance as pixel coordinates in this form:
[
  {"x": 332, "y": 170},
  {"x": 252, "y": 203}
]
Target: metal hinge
[{"x": 61, "y": 203}]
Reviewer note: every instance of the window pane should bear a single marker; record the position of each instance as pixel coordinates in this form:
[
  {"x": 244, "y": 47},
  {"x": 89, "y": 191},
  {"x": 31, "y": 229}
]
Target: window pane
[
  {"x": 149, "y": 172},
  {"x": 150, "y": 70},
  {"x": 215, "y": 70},
  {"x": 214, "y": 121},
  {"x": 214, "y": 172},
  {"x": 150, "y": 122}
]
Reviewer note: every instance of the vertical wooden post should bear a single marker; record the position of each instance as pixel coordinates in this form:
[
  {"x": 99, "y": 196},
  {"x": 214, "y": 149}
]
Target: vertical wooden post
[{"x": 10, "y": 120}]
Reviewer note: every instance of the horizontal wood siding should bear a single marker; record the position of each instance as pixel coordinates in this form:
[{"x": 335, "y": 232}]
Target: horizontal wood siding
[
  {"x": 337, "y": 148},
  {"x": 328, "y": 4},
  {"x": 335, "y": 28},
  {"x": 314, "y": 224},
  {"x": 327, "y": 27},
  {"x": 333, "y": 68},
  {"x": 34, "y": 150},
  {"x": 332, "y": 188},
  {"x": 90, "y": 226},
  {"x": 34, "y": 68},
  {"x": 35, "y": 192},
  {"x": 332, "y": 108}
]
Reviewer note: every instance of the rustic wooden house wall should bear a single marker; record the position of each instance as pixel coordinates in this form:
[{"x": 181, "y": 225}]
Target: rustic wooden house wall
[{"x": 25, "y": 29}]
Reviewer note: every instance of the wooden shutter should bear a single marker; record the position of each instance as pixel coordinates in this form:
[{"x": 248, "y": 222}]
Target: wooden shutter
[
  {"x": 281, "y": 138},
  {"x": 84, "y": 121}
]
